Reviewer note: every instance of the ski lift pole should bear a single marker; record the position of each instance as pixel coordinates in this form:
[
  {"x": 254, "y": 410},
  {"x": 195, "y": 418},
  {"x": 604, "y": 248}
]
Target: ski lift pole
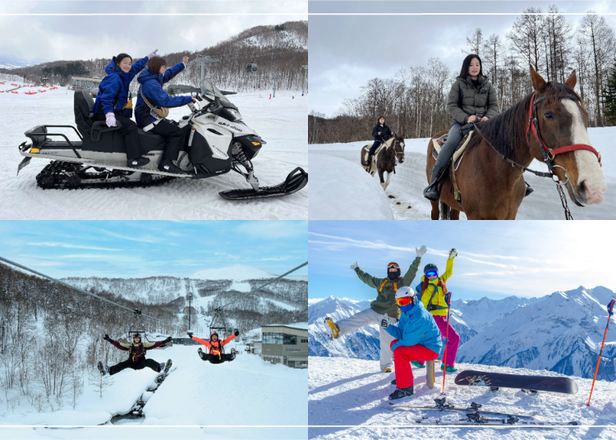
[
  {"x": 445, "y": 355},
  {"x": 610, "y": 310}
]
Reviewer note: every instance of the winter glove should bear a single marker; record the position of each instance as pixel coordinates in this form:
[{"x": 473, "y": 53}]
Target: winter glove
[
  {"x": 354, "y": 266},
  {"x": 384, "y": 323},
  {"x": 110, "y": 119},
  {"x": 185, "y": 60},
  {"x": 107, "y": 338},
  {"x": 168, "y": 339},
  {"x": 448, "y": 298},
  {"x": 237, "y": 332},
  {"x": 153, "y": 54},
  {"x": 453, "y": 253},
  {"x": 421, "y": 251},
  {"x": 189, "y": 334}
]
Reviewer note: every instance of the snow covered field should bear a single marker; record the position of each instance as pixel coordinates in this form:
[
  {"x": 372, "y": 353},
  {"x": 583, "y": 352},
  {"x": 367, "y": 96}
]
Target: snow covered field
[
  {"x": 246, "y": 398},
  {"x": 343, "y": 392},
  {"x": 280, "y": 121},
  {"x": 342, "y": 190}
]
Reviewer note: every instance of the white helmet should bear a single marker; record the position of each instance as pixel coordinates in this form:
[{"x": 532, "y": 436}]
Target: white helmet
[{"x": 406, "y": 292}]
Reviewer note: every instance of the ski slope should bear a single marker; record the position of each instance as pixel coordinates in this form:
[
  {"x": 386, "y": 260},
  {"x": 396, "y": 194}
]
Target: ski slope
[
  {"x": 281, "y": 122},
  {"x": 245, "y": 398},
  {"x": 344, "y": 191},
  {"x": 343, "y": 391}
]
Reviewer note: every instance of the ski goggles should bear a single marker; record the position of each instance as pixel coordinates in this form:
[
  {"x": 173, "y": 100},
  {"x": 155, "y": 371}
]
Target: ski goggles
[
  {"x": 404, "y": 301},
  {"x": 432, "y": 273},
  {"x": 393, "y": 267}
]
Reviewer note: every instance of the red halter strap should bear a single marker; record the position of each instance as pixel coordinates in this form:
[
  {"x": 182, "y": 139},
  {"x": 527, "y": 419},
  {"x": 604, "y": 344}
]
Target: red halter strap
[{"x": 550, "y": 153}]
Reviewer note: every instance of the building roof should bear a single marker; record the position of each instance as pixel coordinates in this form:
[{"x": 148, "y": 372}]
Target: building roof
[{"x": 296, "y": 325}]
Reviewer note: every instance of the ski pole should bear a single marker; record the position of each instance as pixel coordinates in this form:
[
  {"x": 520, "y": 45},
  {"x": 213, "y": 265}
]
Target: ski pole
[
  {"x": 610, "y": 310},
  {"x": 445, "y": 355}
]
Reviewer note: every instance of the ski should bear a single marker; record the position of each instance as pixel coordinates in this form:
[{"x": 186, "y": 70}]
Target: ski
[
  {"x": 525, "y": 382},
  {"x": 296, "y": 180},
  {"x": 442, "y": 406},
  {"x": 478, "y": 419}
]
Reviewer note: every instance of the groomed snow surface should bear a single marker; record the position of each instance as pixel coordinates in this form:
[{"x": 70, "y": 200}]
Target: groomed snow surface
[
  {"x": 342, "y": 190},
  {"x": 344, "y": 391},
  {"x": 281, "y": 122},
  {"x": 221, "y": 398}
]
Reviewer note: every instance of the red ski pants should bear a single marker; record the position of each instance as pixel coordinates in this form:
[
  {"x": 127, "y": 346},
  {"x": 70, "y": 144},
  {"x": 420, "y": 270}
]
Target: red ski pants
[{"x": 403, "y": 356}]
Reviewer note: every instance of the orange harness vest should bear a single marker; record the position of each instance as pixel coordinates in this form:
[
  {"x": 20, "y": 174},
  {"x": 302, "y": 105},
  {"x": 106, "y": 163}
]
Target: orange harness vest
[{"x": 385, "y": 282}]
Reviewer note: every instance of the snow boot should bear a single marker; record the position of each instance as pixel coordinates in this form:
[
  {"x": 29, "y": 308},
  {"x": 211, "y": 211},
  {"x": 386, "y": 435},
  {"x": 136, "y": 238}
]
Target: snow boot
[
  {"x": 167, "y": 166},
  {"x": 387, "y": 370},
  {"x": 449, "y": 369},
  {"x": 139, "y": 162},
  {"x": 201, "y": 354},
  {"x": 233, "y": 354},
  {"x": 393, "y": 382},
  {"x": 332, "y": 328},
  {"x": 165, "y": 366},
  {"x": 417, "y": 364},
  {"x": 401, "y": 394},
  {"x": 104, "y": 369}
]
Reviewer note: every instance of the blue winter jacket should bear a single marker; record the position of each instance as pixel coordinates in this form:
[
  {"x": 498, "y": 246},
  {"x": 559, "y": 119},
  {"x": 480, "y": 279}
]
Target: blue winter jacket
[
  {"x": 416, "y": 327},
  {"x": 113, "y": 89},
  {"x": 152, "y": 89}
]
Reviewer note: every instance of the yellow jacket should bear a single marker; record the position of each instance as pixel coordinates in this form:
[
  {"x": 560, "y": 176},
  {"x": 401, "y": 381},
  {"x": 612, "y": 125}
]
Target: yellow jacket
[{"x": 434, "y": 287}]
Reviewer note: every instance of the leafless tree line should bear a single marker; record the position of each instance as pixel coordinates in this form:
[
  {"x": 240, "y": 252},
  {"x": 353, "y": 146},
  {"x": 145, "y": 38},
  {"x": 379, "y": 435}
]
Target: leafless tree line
[{"x": 414, "y": 101}]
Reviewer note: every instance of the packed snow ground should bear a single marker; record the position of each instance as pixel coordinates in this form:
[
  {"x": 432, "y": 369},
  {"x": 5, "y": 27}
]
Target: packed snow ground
[
  {"x": 343, "y": 392},
  {"x": 340, "y": 192},
  {"x": 221, "y": 398},
  {"x": 280, "y": 121}
]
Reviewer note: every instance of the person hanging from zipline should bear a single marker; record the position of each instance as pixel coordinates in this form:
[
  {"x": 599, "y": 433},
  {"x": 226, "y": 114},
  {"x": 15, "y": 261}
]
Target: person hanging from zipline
[
  {"x": 215, "y": 346},
  {"x": 437, "y": 299},
  {"x": 136, "y": 356}
]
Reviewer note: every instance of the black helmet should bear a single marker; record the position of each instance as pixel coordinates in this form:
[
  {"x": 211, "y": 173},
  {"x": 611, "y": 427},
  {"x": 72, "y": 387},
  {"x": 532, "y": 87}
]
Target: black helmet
[
  {"x": 430, "y": 267},
  {"x": 136, "y": 335}
]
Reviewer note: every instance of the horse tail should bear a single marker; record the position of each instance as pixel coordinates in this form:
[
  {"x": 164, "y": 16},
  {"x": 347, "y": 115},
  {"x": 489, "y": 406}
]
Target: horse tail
[{"x": 445, "y": 211}]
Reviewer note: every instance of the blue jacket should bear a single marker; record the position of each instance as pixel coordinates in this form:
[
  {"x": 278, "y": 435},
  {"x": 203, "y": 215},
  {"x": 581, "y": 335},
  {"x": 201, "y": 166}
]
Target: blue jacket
[
  {"x": 416, "y": 326},
  {"x": 113, "y": 89},
  {"x": 152, "y": 89}
]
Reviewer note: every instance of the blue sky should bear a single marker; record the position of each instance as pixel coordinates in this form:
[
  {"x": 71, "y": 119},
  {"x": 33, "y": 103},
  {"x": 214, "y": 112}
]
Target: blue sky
[
  {"x": 134, "y": 249},
  {"x": 496, "y": 259}
]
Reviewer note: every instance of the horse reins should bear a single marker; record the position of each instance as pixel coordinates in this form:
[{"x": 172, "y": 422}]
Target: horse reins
[{"x": 548, "y": 153}]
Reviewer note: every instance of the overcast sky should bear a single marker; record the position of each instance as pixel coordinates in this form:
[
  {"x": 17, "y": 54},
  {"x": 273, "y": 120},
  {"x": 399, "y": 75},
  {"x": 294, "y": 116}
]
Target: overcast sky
[
  {"x": 496, "y": 259},
  {"x": 346, "y": 51},
  {"x": 48, "y": 38},
  {"x": 136, "y": 249}
]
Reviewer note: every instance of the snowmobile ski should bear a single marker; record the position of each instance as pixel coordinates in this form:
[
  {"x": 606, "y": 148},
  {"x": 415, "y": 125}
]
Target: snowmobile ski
[
  {"x": 478, "y": 419},
  {"x": 296, "y": 180},
  {"x": 430, "y": 375},
  {"x": 442, "y": 406},
  {"x": 525, "y": 382}
]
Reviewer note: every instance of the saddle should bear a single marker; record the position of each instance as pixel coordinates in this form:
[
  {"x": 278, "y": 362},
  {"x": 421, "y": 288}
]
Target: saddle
[
  {"x": 455, "y": 160},
  {"x": 371, "y": 167}
]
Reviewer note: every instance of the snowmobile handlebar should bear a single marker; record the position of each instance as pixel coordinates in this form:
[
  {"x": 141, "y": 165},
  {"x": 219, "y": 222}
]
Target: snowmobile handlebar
[{"x": 100, "y": 127}]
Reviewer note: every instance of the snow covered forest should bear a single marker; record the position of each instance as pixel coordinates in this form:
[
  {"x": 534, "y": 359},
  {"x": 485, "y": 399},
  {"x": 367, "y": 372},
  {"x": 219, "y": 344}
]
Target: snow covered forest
[
  {"x": 279, "y": 52},
  {"x": 415, "y": 100}
]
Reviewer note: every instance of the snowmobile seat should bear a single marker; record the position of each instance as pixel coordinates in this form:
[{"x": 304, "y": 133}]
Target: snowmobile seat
[{"x": 150, "y": 141}]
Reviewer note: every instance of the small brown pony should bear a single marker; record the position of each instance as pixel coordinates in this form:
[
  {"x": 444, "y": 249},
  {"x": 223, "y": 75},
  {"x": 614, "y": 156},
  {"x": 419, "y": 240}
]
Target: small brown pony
[
  {"x": 387, "y": 158},
  {"x": 549, "y": 125}
]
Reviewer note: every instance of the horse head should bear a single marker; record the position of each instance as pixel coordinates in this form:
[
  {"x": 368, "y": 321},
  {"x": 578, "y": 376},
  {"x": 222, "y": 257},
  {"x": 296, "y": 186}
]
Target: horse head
[
  {"x": 558, "y": 135},
  {"x": 399, "y": 147}
]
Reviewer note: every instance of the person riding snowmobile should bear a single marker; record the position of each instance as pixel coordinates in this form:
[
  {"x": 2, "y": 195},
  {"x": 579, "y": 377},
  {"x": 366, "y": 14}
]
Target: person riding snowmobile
[
  {"x": 215, "y": 346},
  {"x": 381, "y": 133},
  {"x": 437, "y": 299},
  {"x": 136, "y": 356},
  {"x": 416, "y": 338},
  {"x": 112, "y": 103},
  {"x": 383, "y": 307},
  {"x": 151, "y": 98}
]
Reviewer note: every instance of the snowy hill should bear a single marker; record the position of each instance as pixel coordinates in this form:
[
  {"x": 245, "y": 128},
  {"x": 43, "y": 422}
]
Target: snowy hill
[
  {"x": 404, "y": 194},
  {"x": 237, "y": 272},
  {"x": 349, "y": 392}
]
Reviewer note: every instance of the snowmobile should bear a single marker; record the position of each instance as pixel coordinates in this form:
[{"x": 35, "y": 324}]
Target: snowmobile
[{"x": 215, "y": 141}]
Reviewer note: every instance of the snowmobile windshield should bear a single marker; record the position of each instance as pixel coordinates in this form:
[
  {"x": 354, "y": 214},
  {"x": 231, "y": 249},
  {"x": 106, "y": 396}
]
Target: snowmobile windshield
[{"x": 210, "y": 92}]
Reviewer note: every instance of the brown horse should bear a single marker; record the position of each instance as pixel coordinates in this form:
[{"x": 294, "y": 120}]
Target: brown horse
[
  {"x": 387, "y": 158},
  {"x": 549, "y": 125}
]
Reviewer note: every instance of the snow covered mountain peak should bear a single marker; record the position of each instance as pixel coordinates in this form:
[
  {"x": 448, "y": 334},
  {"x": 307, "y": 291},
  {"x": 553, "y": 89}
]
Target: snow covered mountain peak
[{"x": 237, "y": 272}]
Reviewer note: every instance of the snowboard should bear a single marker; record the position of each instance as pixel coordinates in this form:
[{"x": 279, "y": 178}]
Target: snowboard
[
  {"x": 430, "y": 374},
  {"x": 534, "y": 383}
]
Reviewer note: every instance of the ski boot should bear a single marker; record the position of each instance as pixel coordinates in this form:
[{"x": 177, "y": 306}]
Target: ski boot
[
  {"x": 201, "y": 354},
  {"x": 332, "y": 328},
  {"x": 233, "y": 354},
  {"x": 417, "y": 364},
  {"x": 449, "y": 368},
  {"x": 104, "y": 369},
  {"x": 401, "y": 394}
]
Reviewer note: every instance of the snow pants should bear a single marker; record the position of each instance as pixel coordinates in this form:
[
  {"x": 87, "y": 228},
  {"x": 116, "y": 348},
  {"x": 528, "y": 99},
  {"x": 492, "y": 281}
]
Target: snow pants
[
  {"x": 367, "y": 317},
  {"x": 173, "y": 138},
  {"x": 150, "y": 363},
  {"x": 452, "y": 342},
  {"x": 374, "y": 146},
  {"x": 214, "y": 359},
  {"x": 403, "y": 356},
  {"x": 128, "y": 129}
]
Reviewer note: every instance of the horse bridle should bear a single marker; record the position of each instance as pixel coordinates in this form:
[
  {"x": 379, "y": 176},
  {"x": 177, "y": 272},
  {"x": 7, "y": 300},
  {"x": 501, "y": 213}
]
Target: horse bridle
[
  {"x": 398, "y": 153},
  {"x": 549, "y": 154}
]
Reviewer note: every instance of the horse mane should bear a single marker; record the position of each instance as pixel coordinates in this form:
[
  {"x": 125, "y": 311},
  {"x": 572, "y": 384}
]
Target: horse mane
[{"x": 503, "y": 131}]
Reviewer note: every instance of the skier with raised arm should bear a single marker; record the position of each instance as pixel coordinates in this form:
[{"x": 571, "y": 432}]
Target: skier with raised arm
[
  {"x": 136, "y": 356},
  {"x": 383, "y": 307},
  {"x": 215, "y": 346}
]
